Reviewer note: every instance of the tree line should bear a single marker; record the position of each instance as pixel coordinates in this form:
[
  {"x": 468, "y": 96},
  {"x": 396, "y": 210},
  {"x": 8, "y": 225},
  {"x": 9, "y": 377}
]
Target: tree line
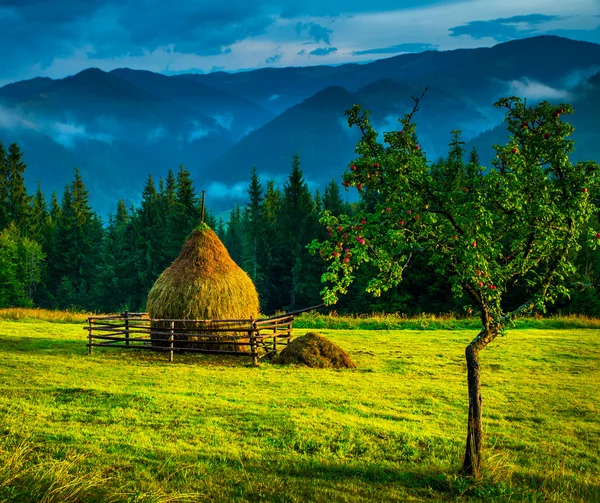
[{"x": 59, "y": 253}]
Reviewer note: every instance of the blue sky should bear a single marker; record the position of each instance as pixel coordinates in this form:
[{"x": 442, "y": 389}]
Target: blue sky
[{"x": 56, "y": 38}]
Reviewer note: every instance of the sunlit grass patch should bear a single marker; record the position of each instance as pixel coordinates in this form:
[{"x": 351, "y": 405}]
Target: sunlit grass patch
[{"x": 130, "y": 426}]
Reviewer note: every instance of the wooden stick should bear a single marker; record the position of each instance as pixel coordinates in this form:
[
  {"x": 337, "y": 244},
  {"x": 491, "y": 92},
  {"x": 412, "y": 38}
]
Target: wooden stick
[
  {"x": 90, "y": 337},
  {"x": 171, "y": 342},
  {"x": 127, "y": 327}
]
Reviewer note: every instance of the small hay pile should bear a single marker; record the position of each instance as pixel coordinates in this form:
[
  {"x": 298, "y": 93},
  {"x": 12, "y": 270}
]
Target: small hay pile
[
  {"x": 203, "y": 283},
  {"x": 315, "y": 351}
]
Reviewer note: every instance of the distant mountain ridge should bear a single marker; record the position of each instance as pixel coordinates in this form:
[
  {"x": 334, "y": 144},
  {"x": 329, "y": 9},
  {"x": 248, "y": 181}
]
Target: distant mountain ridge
[{"x": 122, "y": 125}]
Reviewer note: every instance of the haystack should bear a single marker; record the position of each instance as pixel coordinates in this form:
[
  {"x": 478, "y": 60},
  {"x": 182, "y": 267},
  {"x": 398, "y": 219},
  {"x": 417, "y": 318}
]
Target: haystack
[
  {"x": 203, "y": 283},
  {"x": 316, "y": 351}
]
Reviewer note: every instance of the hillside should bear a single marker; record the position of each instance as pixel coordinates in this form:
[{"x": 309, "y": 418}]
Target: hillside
[{"x": 119, "y": 126}]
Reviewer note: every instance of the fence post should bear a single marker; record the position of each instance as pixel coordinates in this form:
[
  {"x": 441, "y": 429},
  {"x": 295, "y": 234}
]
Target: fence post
[
  {"x": 126, "y": 314},
  {"x": 252, "y": 337},
  {"x": 171, "y": 337},
  {"x": 275, "y": 338},
  {"x": 90, "y": 347}
]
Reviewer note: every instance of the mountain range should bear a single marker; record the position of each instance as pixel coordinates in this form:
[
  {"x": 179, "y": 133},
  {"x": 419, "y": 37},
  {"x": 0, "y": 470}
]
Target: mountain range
[{"x": 122, "y": 125}]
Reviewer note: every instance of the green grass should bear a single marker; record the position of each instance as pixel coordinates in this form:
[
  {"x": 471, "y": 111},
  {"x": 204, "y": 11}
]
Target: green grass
[
  {"x": 129, "y": 426},
  {"x": 318, "y": 321}
]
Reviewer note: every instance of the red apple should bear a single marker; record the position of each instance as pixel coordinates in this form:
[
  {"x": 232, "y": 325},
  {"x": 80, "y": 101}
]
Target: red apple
[
  {"x": 362, "y": 241},
  {"x": 346, "y": 184},
  {"x": 598, "y": 235},
  {"x": 417, "y": 217},
  {"x": 523, "y": 125},
  {"x": 340, "y": 228},
  {"x": 353, "y": 168},
  {"x": 330, "y": 228},
  {"x": 481, "y": 283},
  {"x": 346, "y": 260},
  {"x": 401, "y": 222},
  {"x": 474, "y": 243},
  {"x": 417, "y": 147},
  {"x": 334, "y": 254},
  {"x": 388, "y": 210},
  {"x": 376, "y": 165},
  {"x": 363, "y": 221},
  {"x": 546, "y": 135},
  {"x": 331, "y": 234},
  {"x": 515, "y": 150},
  {"x": 345, "y": 236},
  {"x": 455, "y": 236},
  {"x": 359, "y": 186},
  {"x": 408, "y": 212},
  {"x": 584, "y": 190}
]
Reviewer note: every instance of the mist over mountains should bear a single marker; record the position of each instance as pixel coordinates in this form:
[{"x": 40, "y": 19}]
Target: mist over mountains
[{"x": 120, "y": 126}]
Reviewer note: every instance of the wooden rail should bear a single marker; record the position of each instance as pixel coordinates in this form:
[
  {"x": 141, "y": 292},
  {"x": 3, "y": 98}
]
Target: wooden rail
[{"x": 238, "y": 337}]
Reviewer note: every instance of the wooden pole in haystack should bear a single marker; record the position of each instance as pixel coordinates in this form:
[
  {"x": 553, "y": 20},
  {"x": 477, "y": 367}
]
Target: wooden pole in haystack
[{"x": 202, "y": 208}]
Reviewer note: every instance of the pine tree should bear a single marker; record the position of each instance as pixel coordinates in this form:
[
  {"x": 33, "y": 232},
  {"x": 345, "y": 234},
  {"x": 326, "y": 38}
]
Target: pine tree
[
  {"x": 185, "y": 213},
  {"x": 112, "y": 294},
  {"x": 39, "y": 218},
  {"x": 254, "y": 229},
  {"x": 298, "y": 223},
  {"x": 332, "y": 199},
  {"x": 148, "y": 225},
  {"x": 17, "y": 200},
  {"x": 3, "y": 188},
  {"x": 78, "y": 245},
  {"x": 234, "y": 240}
]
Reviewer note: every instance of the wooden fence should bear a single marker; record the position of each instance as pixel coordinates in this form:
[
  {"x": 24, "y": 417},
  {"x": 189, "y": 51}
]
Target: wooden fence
[{"x": 247, "y": 337}]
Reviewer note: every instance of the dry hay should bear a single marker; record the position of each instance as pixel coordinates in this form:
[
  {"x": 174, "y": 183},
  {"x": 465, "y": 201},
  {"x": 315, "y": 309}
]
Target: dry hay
[
  {"x": 203, "y": 283},
  {"x": 315, "y": 351}
]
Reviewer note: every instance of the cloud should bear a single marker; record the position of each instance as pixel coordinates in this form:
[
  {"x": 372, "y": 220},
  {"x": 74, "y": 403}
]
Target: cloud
[
  {"x": 197, "y": 132},
  {"x": 66, "y": 134},
  {"x": 531, "y": 89},
  {"x": 224, "y": 120},
  {"x": 315, "y": 31},
  {"x": 9, "y": 119},
  {"x": 273, "y": 59},
  {"x": 323, "y": 51},
  {"x": 62, "y": 37},
  {"x": 502, "y": 29},
  {"x": 273, "y": 97},
  {"x": 219, "y": 191},
  {"x": 394, "y": 49},
  {"x": 156, "y": 134}
]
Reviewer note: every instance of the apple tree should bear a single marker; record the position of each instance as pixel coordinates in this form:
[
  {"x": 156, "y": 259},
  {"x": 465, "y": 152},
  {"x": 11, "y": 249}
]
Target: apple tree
[{"x": 515, "y": 227}]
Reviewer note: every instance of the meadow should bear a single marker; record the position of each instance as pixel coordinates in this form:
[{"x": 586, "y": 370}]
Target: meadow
[{"x": 130, "y": 426}]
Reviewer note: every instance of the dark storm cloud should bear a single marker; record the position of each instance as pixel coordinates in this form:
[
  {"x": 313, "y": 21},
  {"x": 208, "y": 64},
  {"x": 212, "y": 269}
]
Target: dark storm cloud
[
  {"x": 190, "y": 28},
  {"x": 335, "y": 8},
  {"x": 502, "y": 29},
  {"x": 323, "y": 51},
  {"x": 408, "y": 47},
  {"x": 41, "y": 30},
  {"x": 315, "y": 31}
]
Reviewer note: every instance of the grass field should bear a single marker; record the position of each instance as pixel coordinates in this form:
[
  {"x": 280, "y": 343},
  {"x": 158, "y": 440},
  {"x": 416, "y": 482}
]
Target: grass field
[{"x": 129, "y": 426}]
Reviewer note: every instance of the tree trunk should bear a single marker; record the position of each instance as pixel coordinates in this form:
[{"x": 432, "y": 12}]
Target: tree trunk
[{"x": 472, "y": 461}]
